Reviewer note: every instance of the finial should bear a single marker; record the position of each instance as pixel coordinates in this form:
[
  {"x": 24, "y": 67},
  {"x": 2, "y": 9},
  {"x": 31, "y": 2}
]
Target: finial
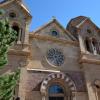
[{"x": 53, "y": 17}]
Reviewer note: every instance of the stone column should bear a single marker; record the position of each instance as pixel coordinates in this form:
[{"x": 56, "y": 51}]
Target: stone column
[
  {"x": 82, "y": 47},
  {"x": 93, "y": 47},
  {"x": 19, "y": 36},
  {"x": 89, "y": 82},
  {"x": 43, "y": 97},
  {"x": 26, "y": 33},
  {"x": 97, "y": 88},
  {"x": 22, "y": 83}
]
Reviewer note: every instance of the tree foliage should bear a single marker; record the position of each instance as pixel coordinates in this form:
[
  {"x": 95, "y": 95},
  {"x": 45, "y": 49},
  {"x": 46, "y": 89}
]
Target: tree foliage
[
  {"x": 7, "y": 85},
  {"x": 7, "y": 37}
]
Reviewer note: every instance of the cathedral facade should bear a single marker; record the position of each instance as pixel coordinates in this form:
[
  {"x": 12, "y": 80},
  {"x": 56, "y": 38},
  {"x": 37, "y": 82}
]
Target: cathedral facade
[{"x": 56, "y": 63}]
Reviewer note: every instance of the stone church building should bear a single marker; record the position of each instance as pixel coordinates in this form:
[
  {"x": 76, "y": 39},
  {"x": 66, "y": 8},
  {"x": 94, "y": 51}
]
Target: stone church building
[{"x": 56, "y": 63}]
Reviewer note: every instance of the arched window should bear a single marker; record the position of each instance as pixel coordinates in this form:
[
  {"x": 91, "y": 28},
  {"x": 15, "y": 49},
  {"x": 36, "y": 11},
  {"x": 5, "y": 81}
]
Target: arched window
[
  {"x": 55, "y": 89},
  {"x": 88, "y": 45},
  {"x": 56, "y": 92},
  {"x": 12, "y": 15},
  {"x": 16, "y": 27},
  {"x": 92, "y": 46}
]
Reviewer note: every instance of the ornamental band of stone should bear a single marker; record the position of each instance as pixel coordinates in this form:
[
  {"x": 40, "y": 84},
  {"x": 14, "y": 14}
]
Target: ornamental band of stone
[{"x": 61, "y": 76}]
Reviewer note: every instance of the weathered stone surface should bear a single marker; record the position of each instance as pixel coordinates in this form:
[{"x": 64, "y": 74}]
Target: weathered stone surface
[{"x": 79, "y": 70}]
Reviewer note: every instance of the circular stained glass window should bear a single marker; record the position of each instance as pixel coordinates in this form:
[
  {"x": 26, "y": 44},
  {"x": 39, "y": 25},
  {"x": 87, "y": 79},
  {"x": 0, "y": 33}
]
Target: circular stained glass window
[{"x": 55, "y": 57}]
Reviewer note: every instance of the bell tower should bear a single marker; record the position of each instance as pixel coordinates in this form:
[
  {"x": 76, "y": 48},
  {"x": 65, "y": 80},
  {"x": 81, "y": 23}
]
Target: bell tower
[
  {"x": 88, "y": 36},
  {"x": 18, "y": 55},
  {"x": 89, "y": 40},
  {"x": 19, "y": 18}
]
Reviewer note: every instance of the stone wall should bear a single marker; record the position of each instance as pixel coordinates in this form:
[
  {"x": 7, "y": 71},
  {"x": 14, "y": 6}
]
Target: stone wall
[{"x": 34, "y": 80}]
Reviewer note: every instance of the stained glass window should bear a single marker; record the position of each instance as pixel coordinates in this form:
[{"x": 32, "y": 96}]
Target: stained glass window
[
  {"x": 55, "y": 57},
  {"x": 55, "y": 89},
  {"x": 56, "y": 92}
]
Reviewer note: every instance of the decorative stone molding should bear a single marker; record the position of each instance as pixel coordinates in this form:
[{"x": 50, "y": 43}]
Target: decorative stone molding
[
  {"x": 19, "y": 52},
  {"x": 89, "y": 58},
  {"x": 54, "y": 39},
  {"x": 61, "y": 76}
]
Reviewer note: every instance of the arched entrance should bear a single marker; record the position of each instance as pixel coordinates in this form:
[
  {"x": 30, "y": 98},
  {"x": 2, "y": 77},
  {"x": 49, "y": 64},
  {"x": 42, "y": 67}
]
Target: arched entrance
[
  {"x": 57, "y": 86},
  {"x": 56, "y": 92}
]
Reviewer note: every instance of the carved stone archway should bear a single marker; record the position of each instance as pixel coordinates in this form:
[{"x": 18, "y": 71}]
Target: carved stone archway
[{"x": 61, "y": 76}]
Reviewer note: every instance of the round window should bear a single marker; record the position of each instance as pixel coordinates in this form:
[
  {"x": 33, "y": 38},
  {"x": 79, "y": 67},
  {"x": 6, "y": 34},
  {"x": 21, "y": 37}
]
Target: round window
[
  {"x": 54, "y": 33},
  {"x": 55, "y": 57}
]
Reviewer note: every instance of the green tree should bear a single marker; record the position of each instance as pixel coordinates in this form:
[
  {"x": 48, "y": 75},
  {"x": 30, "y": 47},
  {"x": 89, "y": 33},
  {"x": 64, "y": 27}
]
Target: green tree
[
  {"x": 7, "y": 37},
  {"x": 8, "y": 84}
]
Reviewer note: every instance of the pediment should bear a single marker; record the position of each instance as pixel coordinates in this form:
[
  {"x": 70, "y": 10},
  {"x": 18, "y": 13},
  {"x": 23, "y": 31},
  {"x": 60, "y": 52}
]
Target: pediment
[
  {"x": 16, "y": 5},
  {"x": 54, "y": 29},
  {"x": 89, "y": 29}
]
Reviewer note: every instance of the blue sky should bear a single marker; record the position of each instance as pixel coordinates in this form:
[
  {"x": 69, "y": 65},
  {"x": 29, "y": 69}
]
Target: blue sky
[{"x": 43, "y": 10}]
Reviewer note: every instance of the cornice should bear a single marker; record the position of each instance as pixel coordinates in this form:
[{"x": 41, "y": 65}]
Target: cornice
[
  {"x": 54, "y": 39},
  {"x": 5, "y": 3},
  {"x": 42, "y": 70},
  {"x": 24, "y": 9},
  {"x": 90, "y": 59},
  {"x": 18, "y": 52}
]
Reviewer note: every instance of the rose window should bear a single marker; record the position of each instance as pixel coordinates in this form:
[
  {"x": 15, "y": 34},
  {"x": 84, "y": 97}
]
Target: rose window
[{"x": 55, "y": 57}]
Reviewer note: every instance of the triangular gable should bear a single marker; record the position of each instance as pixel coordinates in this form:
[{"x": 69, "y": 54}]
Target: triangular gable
[
  {"x": 19, "y": 3},
  {"x": 89, "y": 29},
  {"x": 45, "y": 29},
  {"x": 87, "y": 20}
]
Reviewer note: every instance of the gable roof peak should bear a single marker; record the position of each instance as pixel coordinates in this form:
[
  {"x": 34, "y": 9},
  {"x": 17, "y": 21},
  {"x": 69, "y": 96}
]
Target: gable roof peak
[
  {"x": 53, "y": 17},
  {"x": 54, "y": 20},
  {"x": 76, "y": 21},
  {"x": 4, "y": 1},
  {"x": 19, "y": 3}
]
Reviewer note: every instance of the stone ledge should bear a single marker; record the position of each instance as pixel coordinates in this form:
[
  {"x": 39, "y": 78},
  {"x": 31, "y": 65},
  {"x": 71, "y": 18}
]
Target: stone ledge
[
  {"x": 90, "y": 58},
  {"x": 57, "y": 40},
  {"x": 18, "y": 52}
]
